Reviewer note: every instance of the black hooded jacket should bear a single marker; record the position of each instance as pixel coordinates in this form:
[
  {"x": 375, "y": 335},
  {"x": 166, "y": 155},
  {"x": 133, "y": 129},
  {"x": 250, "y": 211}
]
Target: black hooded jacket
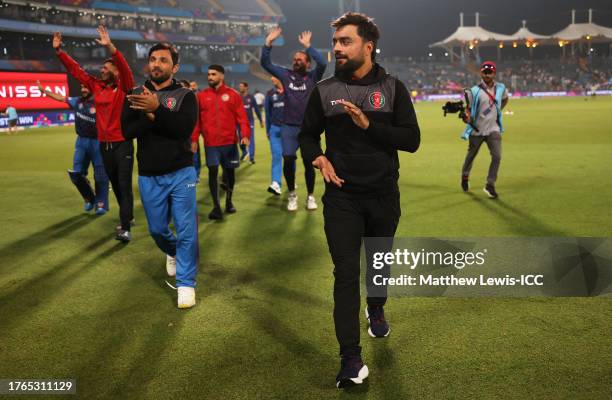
[
  {"x": 366, "y": 159},
  {"x": 164, "y": 146}
]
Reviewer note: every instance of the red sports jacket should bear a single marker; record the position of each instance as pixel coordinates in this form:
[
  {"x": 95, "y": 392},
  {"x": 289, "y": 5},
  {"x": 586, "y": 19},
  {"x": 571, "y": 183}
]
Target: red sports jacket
[
  {"x": 221, "y": 111},
  {"x": 108, "y": 99}
]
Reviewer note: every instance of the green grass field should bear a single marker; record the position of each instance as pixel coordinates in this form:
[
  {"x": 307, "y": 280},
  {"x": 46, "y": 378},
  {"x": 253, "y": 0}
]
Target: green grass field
[{"x": 74, "y": 303}]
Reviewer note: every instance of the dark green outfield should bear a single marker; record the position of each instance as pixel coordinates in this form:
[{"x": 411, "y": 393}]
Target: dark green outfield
[{"x": 74, "y": 303}]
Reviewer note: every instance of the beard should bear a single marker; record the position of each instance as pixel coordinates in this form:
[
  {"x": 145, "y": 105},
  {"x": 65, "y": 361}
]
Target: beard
[
  {"x": 299, "y": 68},
  {"x": 347, "y": 69},
  {"x": 108, "y": 78},
  {"x": 161, "y": 78}
]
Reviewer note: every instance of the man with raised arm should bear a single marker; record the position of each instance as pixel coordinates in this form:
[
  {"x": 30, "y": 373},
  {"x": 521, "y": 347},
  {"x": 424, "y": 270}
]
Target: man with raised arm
[
  {"x": 109, "y": 92},
  {"x": 298, "y": 83}
]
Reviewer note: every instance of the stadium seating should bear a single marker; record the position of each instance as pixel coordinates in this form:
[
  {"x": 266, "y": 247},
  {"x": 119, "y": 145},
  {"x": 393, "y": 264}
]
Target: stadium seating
[{"x": 438, "y": 77}]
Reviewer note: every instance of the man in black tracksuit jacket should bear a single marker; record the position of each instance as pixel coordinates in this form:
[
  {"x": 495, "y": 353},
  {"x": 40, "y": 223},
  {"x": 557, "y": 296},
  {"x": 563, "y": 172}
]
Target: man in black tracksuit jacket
[
  {"x": 367, "y": 116},
  {"x": 161, "y": 116}
]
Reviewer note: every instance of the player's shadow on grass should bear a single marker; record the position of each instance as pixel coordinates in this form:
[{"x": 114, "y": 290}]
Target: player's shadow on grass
[
  {"x": 116, "y": 346},
  {"x": 49, "y": 284},
  {"x": 45, "y": 237},
  {"x": 521, "y": 222}
]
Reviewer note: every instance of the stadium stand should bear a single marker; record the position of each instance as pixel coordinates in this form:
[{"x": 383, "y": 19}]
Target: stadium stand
[{"x": 212, "y": 35}]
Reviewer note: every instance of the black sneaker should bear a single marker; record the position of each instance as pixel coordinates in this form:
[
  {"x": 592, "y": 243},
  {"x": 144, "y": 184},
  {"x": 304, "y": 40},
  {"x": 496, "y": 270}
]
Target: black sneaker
[
  {"x": 490, "y": 191},
  {"x": 229, "y": 207},
  {"x": 215, "y": 213},
  {"x": 123, "y": 236},
  {"x": 352, "y": 371},
  {"x": 465, "y": 184},
  {"x": 379, "y": 327}
]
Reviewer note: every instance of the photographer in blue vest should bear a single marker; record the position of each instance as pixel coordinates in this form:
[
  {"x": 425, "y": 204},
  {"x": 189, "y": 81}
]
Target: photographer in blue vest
[{"x": 484, "y": 111}]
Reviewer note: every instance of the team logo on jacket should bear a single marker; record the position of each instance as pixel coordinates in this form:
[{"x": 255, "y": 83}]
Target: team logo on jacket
[
  {"x": 377, "y": 100},
  {"x": 225, "y": 97},
  {"x": 171, "y": 103}
]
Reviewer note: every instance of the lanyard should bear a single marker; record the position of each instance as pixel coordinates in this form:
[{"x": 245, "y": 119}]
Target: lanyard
[{"x": 491, "y": 97}]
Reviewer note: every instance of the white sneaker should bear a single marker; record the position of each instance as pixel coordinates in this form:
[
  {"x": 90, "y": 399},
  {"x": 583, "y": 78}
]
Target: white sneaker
[
  {"x": 171, "y": 265},
  {"x": 311, "y": 203},
  {"x": 293, "y": 204},
  {"x": 275, "y": 188},
  {"x": 186, "y": 297}
]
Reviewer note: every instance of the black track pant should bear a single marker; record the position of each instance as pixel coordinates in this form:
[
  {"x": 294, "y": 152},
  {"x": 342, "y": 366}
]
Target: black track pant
[
  {"x": 118, "y": 160},
  {"x": 347, "y": 221},
  {"x": 289, "y": 172}
]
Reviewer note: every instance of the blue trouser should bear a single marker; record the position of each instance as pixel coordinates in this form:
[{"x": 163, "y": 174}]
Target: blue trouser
[
  {"x": 289, "y": 138},
  {"x": 252, "y": 144},
  {"x": 276, "y": 149},
  {"x": 87, "y": 150},
  {"x": 197, "y": 162},
  {"x": 173, "y": 196}
]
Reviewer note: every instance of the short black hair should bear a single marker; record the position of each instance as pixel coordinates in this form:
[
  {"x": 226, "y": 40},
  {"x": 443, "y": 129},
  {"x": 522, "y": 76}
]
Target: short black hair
[
  {"x": 366, "y": 28},
  {"x": 166, "y": 46},
  {"x": 184, "y": 83},
  {"x": 245, "y": 83},
  {"x": 109, "y": 60},
  {"x": 217, "y": 67}
]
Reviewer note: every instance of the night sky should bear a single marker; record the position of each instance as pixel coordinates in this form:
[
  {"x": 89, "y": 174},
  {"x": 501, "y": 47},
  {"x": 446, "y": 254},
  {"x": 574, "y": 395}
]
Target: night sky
[{"x": 409, "y": 26}]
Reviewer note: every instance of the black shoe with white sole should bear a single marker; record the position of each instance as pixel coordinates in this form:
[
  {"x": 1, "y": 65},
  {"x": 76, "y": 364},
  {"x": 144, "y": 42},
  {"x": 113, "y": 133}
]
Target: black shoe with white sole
[
  {"x": 123, "y": 236},
  {"x": 378, "y": 326},
  {"x": 490, "y": 191},
  {"x": 352, "y": 371}
]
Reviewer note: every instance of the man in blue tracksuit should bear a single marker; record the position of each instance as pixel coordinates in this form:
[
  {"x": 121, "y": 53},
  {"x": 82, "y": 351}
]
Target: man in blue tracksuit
[
  {"x": 486, "y": 102},
  {"x": 250, "y": 106},
  {"x": 274, "y": 105},
  {"x": 86, "y": 150},
  {"x": 162, "y": 115},
  {"x": 298, "y": 83}
]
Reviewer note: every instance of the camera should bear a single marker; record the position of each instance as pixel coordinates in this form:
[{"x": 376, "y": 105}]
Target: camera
[{"x": 453, "y": 107}]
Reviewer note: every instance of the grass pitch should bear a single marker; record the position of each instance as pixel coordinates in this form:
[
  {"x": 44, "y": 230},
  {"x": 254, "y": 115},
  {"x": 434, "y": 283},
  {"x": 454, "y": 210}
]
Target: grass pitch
[{"x": 74, "y": 303}]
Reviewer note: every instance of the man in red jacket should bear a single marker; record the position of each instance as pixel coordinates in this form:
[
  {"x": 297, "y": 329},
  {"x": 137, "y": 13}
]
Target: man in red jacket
[
  {"x": 220, "y": 110},
  {"x": 109, "y": 92}
]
